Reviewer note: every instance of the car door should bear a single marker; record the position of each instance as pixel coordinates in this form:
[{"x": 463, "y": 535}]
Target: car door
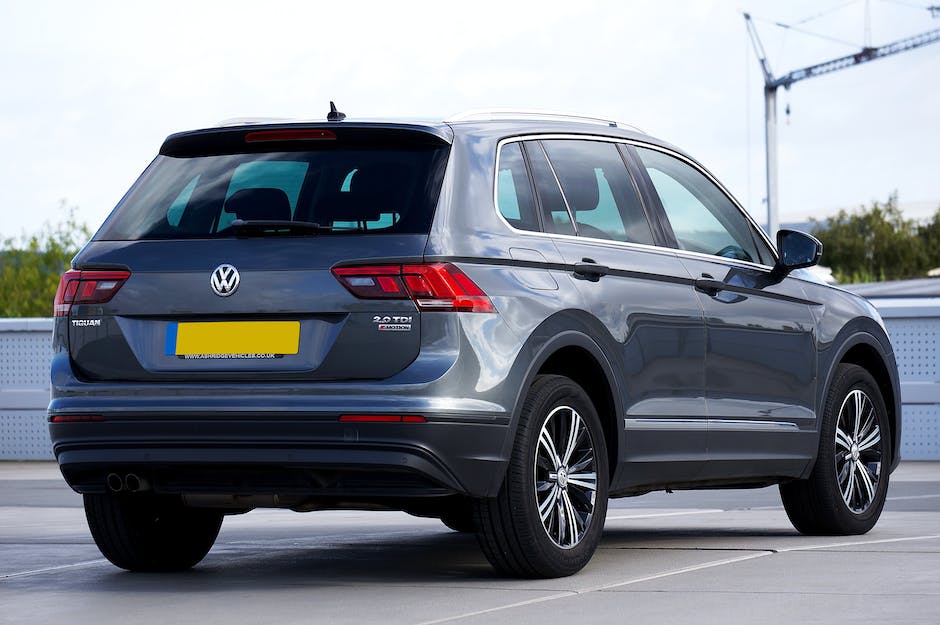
[
  {"x": 639, "y": 293},
  {"x": 761, "y": 366}
]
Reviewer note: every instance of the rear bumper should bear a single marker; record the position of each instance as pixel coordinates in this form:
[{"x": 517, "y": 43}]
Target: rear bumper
[
  {"x": 279, "y": 438},
  {"x": 313, "y": 457}
]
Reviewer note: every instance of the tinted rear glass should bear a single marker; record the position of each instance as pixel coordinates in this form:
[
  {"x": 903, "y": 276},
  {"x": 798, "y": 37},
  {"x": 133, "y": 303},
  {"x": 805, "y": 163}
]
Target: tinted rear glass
[{"x": 358, "y": 189}]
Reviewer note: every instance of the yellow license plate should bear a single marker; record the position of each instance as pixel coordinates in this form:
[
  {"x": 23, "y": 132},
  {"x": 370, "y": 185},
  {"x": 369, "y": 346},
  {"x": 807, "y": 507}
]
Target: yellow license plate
[{"x": 233, "y": 338}]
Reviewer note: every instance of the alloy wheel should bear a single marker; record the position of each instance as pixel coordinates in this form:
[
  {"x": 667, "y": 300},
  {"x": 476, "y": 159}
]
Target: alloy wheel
[
  {"x": 565, "y": 477},
  {"x": 858, "y": 451}
]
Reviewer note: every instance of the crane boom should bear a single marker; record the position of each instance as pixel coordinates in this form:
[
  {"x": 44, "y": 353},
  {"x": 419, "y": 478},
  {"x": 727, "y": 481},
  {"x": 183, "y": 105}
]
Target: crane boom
[
  {"x": 862, "y": 56},
  {"x": 771, "y": 84},
  {"x": 758, "y": 49}
]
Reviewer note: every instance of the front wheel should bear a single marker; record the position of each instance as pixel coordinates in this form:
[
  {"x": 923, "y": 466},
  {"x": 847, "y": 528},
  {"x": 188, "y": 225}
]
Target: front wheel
[
  {"x": 141, "y": 532},
  {"x": 547, "y": 519},
  {"x": 846, "y": 491}
]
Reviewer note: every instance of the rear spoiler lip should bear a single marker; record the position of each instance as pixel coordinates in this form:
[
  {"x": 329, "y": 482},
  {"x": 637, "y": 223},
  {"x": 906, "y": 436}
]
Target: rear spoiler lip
[{"x": 230, "y": 139}]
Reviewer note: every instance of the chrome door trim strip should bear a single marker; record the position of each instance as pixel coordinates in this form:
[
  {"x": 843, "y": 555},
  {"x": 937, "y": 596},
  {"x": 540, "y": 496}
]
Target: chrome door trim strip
[
  {"x": 747, "y": 425},
  {"x": 723, "y": 425},
  {"x": 695, "y": 425}
]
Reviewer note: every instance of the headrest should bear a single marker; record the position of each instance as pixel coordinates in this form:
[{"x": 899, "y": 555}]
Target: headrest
[
  {"x": 259, "y": 204},
  {"x": 580, "y": 186},
  {"x": 378, "y": 189},
  {"x": 386, "y": 178}
]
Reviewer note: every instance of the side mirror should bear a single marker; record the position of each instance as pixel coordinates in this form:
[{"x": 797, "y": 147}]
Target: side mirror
[{"x": 796, "y": 249}]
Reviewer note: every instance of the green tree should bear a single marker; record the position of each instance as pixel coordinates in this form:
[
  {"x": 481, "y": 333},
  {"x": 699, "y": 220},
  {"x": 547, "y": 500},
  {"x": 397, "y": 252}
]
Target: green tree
[
  {"x": 929, "y": 235},
  {"x": 30, "y": 266},
  {"x": 874, "y": 243}
]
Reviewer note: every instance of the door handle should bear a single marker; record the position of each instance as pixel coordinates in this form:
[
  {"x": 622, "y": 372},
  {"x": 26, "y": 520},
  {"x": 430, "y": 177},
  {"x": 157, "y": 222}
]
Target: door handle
[
  {"x": 708, "y": 285},
  {"x": 587, "y": 268}
]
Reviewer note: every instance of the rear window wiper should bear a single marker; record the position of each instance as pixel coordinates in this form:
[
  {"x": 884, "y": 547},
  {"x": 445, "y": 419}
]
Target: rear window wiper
[{"x": 276, "y": 226}]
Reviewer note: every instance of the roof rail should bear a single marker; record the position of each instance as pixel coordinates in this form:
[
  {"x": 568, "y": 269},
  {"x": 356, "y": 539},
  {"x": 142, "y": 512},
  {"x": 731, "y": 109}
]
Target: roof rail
[{"x": 496, "y": 114}]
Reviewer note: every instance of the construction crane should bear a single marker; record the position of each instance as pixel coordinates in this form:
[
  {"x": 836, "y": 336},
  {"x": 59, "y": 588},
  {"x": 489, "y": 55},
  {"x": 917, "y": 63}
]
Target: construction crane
[{"x": 772, "y": 83}]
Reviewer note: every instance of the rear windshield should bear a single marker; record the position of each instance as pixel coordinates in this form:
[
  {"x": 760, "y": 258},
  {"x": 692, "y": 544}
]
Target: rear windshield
[{"x": 360, "y": 189}]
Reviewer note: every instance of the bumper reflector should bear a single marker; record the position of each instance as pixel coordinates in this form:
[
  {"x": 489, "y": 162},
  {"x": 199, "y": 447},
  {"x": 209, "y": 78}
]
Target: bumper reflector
[
  {"x": 381, "y": 418},
  {"x": 78, "y": 418}
]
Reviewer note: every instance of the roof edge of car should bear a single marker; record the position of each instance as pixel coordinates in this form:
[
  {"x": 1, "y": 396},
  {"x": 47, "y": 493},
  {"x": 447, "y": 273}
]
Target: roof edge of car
[{"x": 440, "y": 132}]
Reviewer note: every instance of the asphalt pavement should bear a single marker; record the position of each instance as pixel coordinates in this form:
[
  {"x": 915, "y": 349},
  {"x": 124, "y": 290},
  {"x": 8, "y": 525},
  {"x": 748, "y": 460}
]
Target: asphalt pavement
[{"x": 690, "y": 557}]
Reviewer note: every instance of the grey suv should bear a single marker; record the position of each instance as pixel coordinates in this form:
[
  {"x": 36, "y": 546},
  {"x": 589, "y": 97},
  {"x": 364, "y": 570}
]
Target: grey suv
[{"x": 500, "y": 321}]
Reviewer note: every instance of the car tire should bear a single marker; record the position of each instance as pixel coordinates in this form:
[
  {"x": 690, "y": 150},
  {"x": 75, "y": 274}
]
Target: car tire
[
  {"x": 846, "y": 491},
  {"x": 140, "y": 532},
  {"x": 548, "y": 517}
]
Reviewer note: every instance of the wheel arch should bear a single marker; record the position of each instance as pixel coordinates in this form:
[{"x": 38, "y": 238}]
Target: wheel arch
[
  {"x": 580, "y": 365},
  {"x": 574, "y": 354},
  {"x": 863, "y": 348}
]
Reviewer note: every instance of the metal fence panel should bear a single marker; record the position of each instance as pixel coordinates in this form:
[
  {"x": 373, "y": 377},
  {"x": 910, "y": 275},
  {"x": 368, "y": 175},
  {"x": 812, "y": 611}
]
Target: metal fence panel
[
  {"x": 913, "y": 324},
  {"x": 920, "y": 438},
  {"x": 25, "y": 354},
  {"x": 915, "y": 347},
  {"x": 24, "y": 435}
]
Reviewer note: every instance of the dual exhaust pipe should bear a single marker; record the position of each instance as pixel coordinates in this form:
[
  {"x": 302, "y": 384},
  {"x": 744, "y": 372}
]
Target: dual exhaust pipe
[{"x": 131, "y": 483}]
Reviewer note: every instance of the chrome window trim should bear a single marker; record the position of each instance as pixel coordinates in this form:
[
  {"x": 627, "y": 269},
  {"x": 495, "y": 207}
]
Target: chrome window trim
[
  {"x": 564, "y": 198},
  {"x": 724, "y": 260},
  {"x": 642, "y": 246}
]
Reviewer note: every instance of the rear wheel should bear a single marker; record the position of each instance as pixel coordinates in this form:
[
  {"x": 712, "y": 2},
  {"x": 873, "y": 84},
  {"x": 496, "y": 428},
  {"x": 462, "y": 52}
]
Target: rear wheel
[
  {"x": 846, "y": 491},
  {"x": 549, "y": 514},
  {"x": 141, "y": 532}
]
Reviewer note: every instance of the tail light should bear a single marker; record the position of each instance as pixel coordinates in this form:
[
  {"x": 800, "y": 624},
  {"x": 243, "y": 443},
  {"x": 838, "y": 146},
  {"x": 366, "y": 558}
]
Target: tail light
[
  {"x": 434, "y": 286},
  {"x": 86, "y": 287}
]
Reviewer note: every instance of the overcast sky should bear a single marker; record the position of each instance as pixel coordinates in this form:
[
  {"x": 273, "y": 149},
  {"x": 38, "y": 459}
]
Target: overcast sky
[{"x": 90, "y": 89}]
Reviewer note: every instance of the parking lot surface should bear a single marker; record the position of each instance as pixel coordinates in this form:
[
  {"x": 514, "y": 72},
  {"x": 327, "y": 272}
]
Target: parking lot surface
[{"x": 688, "y": 557}]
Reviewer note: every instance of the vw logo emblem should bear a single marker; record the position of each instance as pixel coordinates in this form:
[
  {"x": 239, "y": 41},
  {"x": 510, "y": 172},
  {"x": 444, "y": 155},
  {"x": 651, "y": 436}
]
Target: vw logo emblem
[{"x": 224, "y": 280}]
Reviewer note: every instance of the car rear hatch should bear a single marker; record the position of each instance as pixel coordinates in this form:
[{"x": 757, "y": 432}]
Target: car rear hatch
[{"x": 262, "y": 253}]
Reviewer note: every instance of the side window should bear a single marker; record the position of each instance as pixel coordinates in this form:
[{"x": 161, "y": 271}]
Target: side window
[
  {"x": 599, "y": 190},
  {"x": 513, "y": 190},
  {"x": 287, "y": 176},
  {"x": 555, "y": 215},
  {"x": 702, "y": 217}
]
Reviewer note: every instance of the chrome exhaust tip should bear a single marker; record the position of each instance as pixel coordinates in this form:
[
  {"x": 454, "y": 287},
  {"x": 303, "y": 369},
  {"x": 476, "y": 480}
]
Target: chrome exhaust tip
[
  {"x": 115, "y": 483},
  {"x": 134, "y": 483}
]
